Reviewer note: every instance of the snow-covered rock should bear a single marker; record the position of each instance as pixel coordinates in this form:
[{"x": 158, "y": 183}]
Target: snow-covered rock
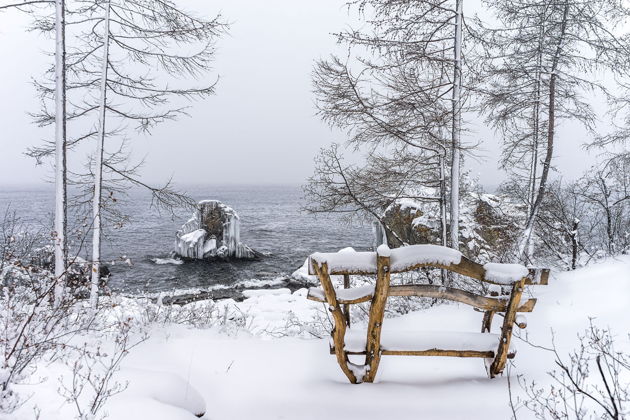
[
  {"x": 489, "y": 225},
  {"x": 212, "y": 232}
]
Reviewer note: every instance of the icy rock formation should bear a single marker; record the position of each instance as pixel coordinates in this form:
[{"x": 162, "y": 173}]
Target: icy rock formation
[{"x": 212, "y": 232}]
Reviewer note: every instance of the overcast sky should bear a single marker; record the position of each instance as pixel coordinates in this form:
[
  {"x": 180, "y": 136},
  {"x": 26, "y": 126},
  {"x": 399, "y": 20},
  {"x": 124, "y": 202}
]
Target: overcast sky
[{"x": 260, "y": 127}]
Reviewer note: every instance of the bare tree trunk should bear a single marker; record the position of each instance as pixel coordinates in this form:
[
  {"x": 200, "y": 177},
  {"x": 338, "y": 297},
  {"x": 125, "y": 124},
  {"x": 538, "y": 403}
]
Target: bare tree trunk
[
  {"x": 456, "y": 126},
  {"x": 551, "y": 129},
  {"x": 444, "y": 234},
  {"x": 60, "y": 245},
  {"x": 527, "y": 234},
  {"x": 574, "y": 243},
  {"x": 536, "y": 128},
  {"x": 98, "y": 169}
]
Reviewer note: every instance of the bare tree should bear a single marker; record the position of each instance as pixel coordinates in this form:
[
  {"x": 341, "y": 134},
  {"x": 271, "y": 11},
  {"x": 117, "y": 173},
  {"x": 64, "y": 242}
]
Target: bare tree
[
  {"x": 542, "y": 58},
  {"x": 60, "y": 152},
  {"x": 366, "y": 191},
  {"x": 607, "y": 190},
  {"x": 401, "y": 85},
  {"x": 131, "y": 65},
  {"x": 149, "y": 35},
  {"x": 568, "y": 224}
]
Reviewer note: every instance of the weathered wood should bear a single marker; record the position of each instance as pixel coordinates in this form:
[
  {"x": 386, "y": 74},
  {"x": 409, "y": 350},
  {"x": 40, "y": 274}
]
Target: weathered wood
[
  {"x": 440, "y": 292},
  {"x": 528, "y": 306},
  {"x": 519, "y": 321},
  {"x": 445, "y": 353},
  {"x": 506, "y": 330},
  {"x": 346, "y": 307},
  {"x": 541, "y": 273},
  {"x": 544, "y": 277},
  {"x": 465, "y": 267},
  {"x": 433, "y": 352},
  {"x": 339, "y": 329},
  {"x": 506, "y": 306},
  {"x": 486, "y": 324},
  {"x": 362, "y": 299},
  {"x": 377, "y": 312}
]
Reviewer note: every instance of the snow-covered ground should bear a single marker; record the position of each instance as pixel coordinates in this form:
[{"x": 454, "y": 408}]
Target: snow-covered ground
[{"x": 270, "y": 365}]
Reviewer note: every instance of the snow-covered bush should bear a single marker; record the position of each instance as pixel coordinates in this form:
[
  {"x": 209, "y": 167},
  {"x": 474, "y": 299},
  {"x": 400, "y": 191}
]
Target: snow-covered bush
[
  {"x": 35, "y": 327},
  {"x": 32, "y": 325},
  {"x": 95, "y": 363}
]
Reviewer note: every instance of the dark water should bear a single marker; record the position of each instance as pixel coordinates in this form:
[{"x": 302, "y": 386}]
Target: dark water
[{"x": 271, "y": 222}]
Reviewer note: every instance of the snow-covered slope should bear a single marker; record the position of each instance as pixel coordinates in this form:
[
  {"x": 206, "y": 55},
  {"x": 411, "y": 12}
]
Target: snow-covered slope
[{"x": 259, "y": 375}]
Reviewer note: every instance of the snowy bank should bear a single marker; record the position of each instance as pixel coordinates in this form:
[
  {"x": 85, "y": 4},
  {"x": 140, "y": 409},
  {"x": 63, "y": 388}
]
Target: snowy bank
[{"x": 261, "y": 362}]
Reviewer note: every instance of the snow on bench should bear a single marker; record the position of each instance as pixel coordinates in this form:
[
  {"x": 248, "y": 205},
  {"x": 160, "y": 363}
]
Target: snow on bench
[
  {"x": 505, "y": 273},
  {"x": 350, "y": 261},
  {"x": 503, "y": 300},
  {"x": 425, "y": 341},
  {"x": 401, "y": 259},
  {"x": 346, "y": 260},
  {"x": 343, "y": 295}
]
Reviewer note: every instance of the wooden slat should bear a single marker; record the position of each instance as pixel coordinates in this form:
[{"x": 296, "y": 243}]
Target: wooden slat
[
  {"x": 439, "y": 292},
  {"x": 486, "y": 324},
  {"x": 444, "y": 353},
  {"x": 377, "y": 313},
  {"x": 457, "y": 295},
  {"x": 433, "y": 352},
  {"x": 315, "y": 296}
]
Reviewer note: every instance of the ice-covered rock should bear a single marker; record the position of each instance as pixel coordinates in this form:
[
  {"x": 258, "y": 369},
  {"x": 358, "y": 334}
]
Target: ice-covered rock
[{"x": 212, "y": 232}]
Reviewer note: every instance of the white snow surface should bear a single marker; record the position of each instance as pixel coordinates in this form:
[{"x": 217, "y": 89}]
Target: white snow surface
[
  {"x": 407, "y": 256},
  {"x": 159, "y": 393},
  {"x": 505, "y": 273},
  {"x": 261, "y": 292},
  {"x": 271, "y": 368},
  {"x": 163, "y": 261}
]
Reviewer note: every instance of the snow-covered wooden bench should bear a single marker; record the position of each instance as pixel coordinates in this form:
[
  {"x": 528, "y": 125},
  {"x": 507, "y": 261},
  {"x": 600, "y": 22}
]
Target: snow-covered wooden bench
[{"x": 373, "y": 342}]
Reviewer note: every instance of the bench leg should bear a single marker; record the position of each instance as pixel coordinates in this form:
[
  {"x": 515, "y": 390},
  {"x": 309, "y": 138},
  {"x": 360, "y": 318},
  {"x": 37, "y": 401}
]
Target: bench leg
[
  {"x": 339, "y": 330},
  {"x": 486, "y": 324},
  {"x": 377, "y": 312},
  {"x": 500, "y": 358}
]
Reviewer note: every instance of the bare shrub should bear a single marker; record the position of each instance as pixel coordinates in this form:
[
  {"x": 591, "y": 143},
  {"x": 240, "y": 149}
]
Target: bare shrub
[{"x": 594, "y": 383}]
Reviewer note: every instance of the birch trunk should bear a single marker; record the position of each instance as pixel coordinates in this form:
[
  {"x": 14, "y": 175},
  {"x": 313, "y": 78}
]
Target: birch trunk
[
  {"x": 527, "y": 235},
  {"x": 60, "y": 244},
  {"x": 444, "y": 234},
  {"x": 551, "y": 129},
  {"x": 456, "y": 126},
  {"x": 528, "y": 243},
  {"x": 98, "y": 170}
]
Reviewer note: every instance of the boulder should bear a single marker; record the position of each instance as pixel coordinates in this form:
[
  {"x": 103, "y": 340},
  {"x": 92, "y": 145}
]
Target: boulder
[
  {"x": 212, "y": 232},
  {"x": 489, "y": 225}
]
